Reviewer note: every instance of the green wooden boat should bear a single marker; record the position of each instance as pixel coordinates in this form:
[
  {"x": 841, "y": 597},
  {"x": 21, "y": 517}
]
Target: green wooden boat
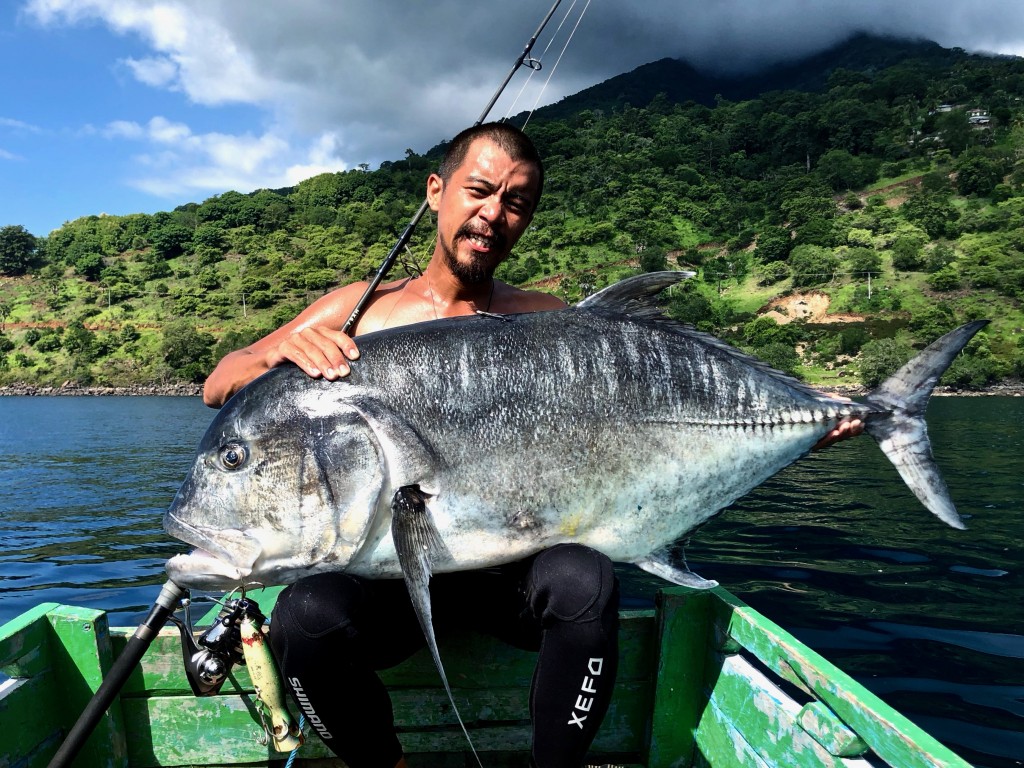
[{"x": 704, "y": 680}]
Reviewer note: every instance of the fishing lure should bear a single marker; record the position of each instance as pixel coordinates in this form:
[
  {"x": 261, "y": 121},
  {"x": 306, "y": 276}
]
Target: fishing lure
[{"x": 283, "y": 729}]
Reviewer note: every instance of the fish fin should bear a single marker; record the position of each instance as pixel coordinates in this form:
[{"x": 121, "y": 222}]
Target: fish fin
[
  {"x": 899, "y": 427},
  {"x": 419, "y": 547},
  {"x": 635, "y": 295},
  {"x": 659, "y": 565},
  {"x": 409, "y": 459}
]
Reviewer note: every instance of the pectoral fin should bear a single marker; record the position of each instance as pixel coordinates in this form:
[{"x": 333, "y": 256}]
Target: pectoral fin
[
  {"x": 659, "y": 565},
  {"x": 419, "y": 547}
]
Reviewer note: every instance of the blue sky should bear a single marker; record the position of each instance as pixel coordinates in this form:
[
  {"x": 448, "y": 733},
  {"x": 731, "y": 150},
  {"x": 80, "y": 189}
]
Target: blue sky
[{"x": 124, "y": 106}]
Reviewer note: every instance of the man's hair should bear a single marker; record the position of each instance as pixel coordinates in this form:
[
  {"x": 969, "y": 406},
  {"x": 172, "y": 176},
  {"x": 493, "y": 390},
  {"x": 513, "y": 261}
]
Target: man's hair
[{"x": 513, "y": 142}]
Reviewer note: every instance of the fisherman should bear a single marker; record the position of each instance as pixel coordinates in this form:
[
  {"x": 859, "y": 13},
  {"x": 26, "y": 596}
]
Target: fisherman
[{"x": 332, "y": 632}]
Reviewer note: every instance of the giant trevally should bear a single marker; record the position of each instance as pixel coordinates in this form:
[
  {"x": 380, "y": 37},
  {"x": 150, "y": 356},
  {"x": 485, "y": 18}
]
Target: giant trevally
[
  {"x": 469, "y": 442},
  {"x": 473, "y": 441}
]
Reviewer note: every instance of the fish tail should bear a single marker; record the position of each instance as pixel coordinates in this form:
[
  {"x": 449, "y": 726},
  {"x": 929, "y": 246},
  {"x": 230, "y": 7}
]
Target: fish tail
[{"x": 899, "y": 428}]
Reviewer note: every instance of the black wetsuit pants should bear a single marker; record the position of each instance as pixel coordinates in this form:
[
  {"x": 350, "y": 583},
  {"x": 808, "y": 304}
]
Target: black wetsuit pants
[{"x": 330, "y": 632}]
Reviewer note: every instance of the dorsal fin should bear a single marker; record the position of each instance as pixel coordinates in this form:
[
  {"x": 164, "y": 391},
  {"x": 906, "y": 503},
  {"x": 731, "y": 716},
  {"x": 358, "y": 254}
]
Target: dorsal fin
[{"x": 634, "y": 296}]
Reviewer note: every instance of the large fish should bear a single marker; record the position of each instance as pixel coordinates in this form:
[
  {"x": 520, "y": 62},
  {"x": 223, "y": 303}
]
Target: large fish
[
  {"x": 473, "y": 441},
  {"x": 470, "y": 442}
]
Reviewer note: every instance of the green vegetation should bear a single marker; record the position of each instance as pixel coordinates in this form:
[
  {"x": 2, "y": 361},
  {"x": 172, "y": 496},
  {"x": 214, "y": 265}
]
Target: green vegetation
[{"x": 855, "y": 185}]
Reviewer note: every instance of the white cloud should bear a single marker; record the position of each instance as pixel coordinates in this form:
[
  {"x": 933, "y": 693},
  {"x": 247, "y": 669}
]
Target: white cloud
[
  {"x": 125, "y": 129},
  {"x": 174, "y": 160},
  {"x": 158, "y": 72},
  {"x": 18, "y": 125},
  {"x": 5, "y": 155}
]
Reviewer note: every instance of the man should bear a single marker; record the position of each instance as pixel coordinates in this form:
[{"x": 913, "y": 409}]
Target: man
[
  {"x": 330, "y": 632},
  {"x": 484, "y": 198}
]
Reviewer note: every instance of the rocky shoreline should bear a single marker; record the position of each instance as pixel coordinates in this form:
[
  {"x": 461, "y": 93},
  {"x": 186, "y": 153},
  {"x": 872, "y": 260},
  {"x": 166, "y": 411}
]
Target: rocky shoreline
[{"x": 72, "y": 389}]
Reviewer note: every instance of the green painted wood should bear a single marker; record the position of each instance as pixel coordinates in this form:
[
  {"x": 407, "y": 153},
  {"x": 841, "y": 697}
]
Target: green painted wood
[
  {"x": 30, "y": 733},
  {"x": 23, "y": 642},
  {"x": 828, "y": 730},
  {"x": 661, "y": 705},
  {"x": 766, "y": 716},
  {"x": 684, "y": 626},
  {"x": 890, "y": 735},
  {"x": 82, "y": 655},
  {"x": 721, "y": 745},
  {"x": 183, "y": 730}
]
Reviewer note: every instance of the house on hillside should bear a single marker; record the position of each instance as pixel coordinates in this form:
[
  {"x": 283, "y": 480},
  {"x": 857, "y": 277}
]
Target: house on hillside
[{"x": 978, "y": 117}]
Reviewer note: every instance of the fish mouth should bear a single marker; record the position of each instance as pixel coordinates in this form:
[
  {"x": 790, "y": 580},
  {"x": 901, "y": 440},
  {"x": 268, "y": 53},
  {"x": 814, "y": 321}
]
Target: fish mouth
[{"x": 223, "y": 557}]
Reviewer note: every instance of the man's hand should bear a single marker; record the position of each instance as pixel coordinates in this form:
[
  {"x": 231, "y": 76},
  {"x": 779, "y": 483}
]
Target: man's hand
[
  {"x": 317, "y": 350},
  {"x": 847, "y": 428}
]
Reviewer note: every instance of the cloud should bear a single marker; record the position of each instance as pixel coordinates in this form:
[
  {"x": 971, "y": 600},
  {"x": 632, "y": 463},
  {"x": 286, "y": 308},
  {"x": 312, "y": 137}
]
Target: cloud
[
  {"x": 175, "y": 161},
  {"x": 158, "y": 72},
  {"x": 18, "y": 125},
  {"x": 5, "y": 155},
  {"x": 369, "y": 78}
]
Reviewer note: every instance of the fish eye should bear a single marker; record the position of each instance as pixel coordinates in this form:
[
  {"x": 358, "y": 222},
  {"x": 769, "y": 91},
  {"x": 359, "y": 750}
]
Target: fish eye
[{"x": 232, "y": 456}]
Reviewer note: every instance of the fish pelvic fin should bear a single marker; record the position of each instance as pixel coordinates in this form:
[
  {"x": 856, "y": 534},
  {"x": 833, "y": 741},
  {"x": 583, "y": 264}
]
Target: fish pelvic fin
[
  {"x": 659, "y": 565},
  {"x": 419, "y": 546},
  {"x": 899, "y": 427}
]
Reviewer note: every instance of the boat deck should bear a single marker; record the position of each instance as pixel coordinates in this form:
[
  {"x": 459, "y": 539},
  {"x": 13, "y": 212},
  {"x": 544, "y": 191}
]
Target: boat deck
[{"x": 704, "y": 680}]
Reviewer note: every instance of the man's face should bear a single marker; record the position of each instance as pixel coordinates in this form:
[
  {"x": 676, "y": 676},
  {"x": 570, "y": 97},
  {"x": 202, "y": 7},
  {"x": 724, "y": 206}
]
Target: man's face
[{"x": 482, "y": 210}]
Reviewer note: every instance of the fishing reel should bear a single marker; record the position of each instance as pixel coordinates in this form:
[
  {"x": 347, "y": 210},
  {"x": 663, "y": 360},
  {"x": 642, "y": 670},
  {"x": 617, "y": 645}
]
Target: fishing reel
[{"x": 209, "y": 659}]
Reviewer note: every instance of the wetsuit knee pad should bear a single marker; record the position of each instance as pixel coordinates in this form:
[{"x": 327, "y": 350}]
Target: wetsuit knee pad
[
  {"x": 318, "y": 604},
  {"x": 571, "y": 582}
]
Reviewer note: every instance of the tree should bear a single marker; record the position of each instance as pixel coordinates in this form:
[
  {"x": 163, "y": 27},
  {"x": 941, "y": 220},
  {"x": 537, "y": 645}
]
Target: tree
[
  {"x": 977, "y": 173},
  {"x": 880, "y": 359},
  {"x": 80, "y": 342},
  {"x": 17, "y": 250},
  {"x": 945, "y": 279},
  {"x": 170, "y": 241},
  {"x": 773, "y": 244},
  {"x": 89, "y": 266},
  {"x": 934, "y": 213},
  {"x": 812, "y": 265},
  {"x": 186, "y": 350},
  {"x": 907, "y": 255},
  {"x": 841, "y": 170},
  {"x": 863, "y": 261}
]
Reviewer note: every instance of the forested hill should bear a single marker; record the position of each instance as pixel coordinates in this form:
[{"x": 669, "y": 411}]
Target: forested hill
[
  {"x": 680, "y": 82},
  {"x": 840, "y": 212}
]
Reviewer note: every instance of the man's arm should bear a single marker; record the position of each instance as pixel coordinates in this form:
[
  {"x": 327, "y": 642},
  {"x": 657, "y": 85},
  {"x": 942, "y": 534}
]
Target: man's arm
[{"x": 313, "y": 341}]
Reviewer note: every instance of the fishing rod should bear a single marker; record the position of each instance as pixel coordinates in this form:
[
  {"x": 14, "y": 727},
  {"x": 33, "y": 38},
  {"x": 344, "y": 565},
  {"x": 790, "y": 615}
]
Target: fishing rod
[{"x": 403, "y": 239}]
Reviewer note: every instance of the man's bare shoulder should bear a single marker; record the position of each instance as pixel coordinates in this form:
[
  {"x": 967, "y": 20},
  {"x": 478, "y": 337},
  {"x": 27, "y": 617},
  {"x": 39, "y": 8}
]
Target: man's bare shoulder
[
  {"x": 347, "y": 296},
  {"x": 509, "y": 300}
]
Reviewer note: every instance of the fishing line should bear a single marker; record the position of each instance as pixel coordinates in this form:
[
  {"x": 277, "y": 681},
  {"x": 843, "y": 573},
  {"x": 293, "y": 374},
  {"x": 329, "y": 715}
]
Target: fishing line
[
  {"x": 552, "y": 73},
  {"x": 535, "y": 63}
]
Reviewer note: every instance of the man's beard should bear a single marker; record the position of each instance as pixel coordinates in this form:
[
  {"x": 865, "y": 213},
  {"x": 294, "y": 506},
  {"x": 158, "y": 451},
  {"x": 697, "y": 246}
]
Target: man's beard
[{"x": 476, "y": 272}]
